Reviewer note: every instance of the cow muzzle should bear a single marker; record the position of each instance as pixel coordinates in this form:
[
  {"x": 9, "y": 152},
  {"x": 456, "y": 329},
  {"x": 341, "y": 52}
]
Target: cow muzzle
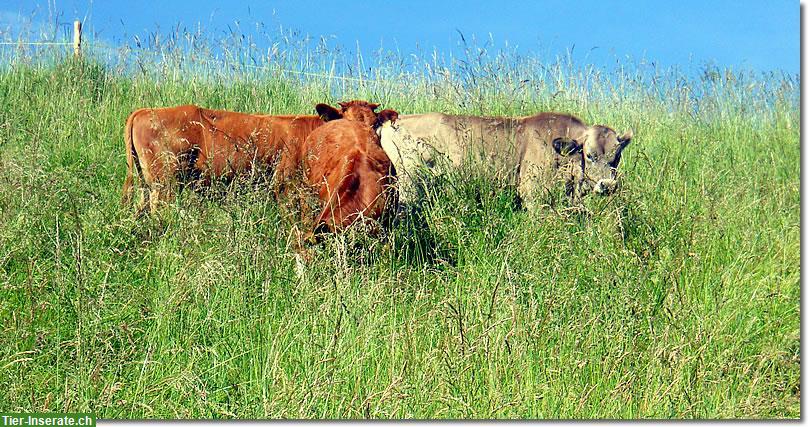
[{"x": 604, "y": 187}]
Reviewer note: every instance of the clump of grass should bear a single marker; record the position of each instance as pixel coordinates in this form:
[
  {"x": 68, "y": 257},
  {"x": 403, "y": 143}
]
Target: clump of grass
[{"x": 677, "y": 297}]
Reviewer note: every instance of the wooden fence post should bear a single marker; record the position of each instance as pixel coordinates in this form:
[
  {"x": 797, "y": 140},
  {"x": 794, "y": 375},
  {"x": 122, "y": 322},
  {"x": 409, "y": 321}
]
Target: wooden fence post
[{"x": 77, "y": 38}]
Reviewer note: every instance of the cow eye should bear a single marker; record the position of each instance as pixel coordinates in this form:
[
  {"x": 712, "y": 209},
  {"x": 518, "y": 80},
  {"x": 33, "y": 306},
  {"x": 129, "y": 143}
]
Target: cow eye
[{"x": 592, "y": 157}]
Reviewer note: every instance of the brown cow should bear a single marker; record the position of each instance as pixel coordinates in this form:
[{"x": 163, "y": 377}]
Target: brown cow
[
  {"x": 343, "y": 161},
  {"x": 189, "y": 142}
]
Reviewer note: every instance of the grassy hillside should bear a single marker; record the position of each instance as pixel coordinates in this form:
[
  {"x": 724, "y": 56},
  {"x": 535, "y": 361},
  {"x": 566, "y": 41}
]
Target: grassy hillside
[{"x": 677, "y": 297}]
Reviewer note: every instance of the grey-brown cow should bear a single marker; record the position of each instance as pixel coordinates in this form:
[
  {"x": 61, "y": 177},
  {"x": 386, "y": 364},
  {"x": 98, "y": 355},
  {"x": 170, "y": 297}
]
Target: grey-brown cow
[{"x": 532, "y": 152}]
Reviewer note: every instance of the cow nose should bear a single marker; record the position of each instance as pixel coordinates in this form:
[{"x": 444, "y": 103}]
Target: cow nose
[{"x": 605, "y": 186}]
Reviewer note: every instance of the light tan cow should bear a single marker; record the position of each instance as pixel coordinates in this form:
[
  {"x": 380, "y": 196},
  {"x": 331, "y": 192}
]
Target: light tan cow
[{"x": 532, "y": 152}]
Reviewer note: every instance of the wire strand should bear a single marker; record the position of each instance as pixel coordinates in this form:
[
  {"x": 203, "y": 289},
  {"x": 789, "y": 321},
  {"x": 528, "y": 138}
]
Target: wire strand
[{"x": 204, "y": 61}]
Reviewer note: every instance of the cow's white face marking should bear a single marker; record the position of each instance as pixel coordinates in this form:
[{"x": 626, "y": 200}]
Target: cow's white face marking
[
  {"x": 601, "y": 156},
  {"x": 387, "y": 126}
]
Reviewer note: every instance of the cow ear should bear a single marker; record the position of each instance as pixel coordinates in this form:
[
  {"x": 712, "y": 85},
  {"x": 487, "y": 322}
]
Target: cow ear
[
  {"x": 626, "y": 138},
  {"x": 327, "y": 112},
  {"x": 566, "y": 146},
  {"x": 385, "y": 116},
  {"x": 374, "y": 106}
]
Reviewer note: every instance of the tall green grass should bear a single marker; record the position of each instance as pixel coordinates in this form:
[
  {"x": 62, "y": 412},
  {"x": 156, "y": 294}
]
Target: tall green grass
[{"x": 676, "y": 298}]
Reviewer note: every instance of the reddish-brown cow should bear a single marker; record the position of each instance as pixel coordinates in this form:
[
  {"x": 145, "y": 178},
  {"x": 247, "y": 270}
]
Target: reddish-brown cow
[
  {"x": 343, "y": 161},
  {"x": 189, "y": 142}
]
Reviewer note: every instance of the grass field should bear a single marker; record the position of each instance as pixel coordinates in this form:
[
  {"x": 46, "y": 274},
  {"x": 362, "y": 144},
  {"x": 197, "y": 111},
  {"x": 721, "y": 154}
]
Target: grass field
[{"x": 677, "y": 297}]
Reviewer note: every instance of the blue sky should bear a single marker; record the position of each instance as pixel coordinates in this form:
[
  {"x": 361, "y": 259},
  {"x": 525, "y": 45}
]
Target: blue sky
[{"x": 761, "y": 35}]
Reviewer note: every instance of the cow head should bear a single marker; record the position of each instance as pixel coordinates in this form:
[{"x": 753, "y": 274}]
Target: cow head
[
  {"x": 358, "y": 111},
  {"x": 600, "y": 155}
]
